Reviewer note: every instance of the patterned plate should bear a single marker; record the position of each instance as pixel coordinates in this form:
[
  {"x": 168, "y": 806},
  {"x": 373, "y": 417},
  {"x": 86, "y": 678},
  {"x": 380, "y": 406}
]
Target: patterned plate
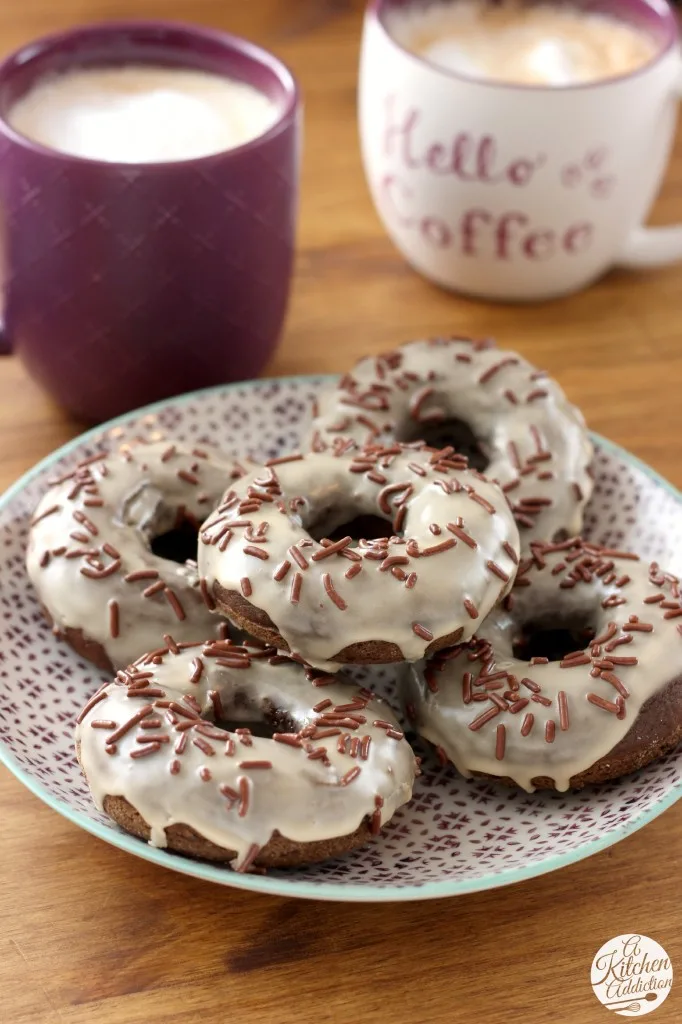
[{"x": 456, "y": 835}]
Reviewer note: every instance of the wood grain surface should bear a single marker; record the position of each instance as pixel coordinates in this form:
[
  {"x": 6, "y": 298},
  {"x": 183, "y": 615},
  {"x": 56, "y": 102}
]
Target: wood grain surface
[{"x": 91, "y": 935}]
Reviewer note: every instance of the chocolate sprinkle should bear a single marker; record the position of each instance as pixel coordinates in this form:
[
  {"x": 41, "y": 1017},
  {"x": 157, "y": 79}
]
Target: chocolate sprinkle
[
  {"x": 154, "y": 588},
  {"x": 490, "y": 509},
  {"x": 244, "y": 795},
  {"x": 599, "y": 702},
  {"x": 509, "y": 550},
  {"x": 284, "y": 459},
  {"x": 113, "y": 618},
  {"x": 43, "y": 515},
  {"x": 331, "y": 549},
  {"x": 150, "y": 748},
  {"x": 130, "y": 724},
  {"x": 250, "y": 549},
  {"x": 436, "y": 549},
  {"x": 281, "y": 570},
  {"x": 298, "y": 557},
  {"x": 483, "y": 718},
  {"x": 100, "y": 574},
  {"x": 562, "y": 700},
  {"x": 203, "y": 746},
  {"x": 462, "y": 535},
  {"x": 332, "y": 593},
  {"x": 206, "y": 594},
  {"x": 488, "y": 374},
  {"x": 617, "y": 684},
  {"x": 174, "y": 602},
  {"x": 141, "y": 574},
  {"x": 527, "y": 724},
  {"x": 497, "y": 571},
  {"x": 295, "y": 592}
]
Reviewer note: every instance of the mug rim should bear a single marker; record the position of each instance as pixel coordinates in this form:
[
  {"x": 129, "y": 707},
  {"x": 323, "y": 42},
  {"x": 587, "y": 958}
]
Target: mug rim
[
  {"x": 377, "y": 9},
  {"x": 19, "y": 58}
]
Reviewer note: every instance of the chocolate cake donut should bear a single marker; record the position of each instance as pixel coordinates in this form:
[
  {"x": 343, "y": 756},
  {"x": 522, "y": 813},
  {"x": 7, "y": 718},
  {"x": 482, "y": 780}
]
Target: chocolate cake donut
[
  {"x": 511, "y": 420},
  {"x": 377, "y": 554},
  {"x": 575, "y": 678},
  {"x": 238, "y": 754},
  {"x": 111, "y": 546}
]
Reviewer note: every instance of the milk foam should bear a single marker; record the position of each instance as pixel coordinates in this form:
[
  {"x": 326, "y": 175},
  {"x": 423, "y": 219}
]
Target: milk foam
[
  {"x": 142, "y": 114},
  {"x": 543, "y": 44}
]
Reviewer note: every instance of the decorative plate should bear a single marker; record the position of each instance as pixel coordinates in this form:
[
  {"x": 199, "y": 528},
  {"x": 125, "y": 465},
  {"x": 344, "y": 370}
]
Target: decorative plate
[{"x": 456, "y": 835}]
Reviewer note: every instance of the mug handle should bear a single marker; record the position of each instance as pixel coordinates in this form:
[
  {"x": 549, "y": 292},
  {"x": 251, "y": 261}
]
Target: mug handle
[{"x": 654, "y": 247}]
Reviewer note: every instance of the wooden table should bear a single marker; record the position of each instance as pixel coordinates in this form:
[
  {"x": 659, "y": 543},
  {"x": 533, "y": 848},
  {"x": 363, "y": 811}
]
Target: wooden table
[{"x": 90, "y": 935}]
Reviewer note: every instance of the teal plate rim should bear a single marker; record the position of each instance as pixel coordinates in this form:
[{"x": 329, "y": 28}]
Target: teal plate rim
[{"x": 280, "y": 885}]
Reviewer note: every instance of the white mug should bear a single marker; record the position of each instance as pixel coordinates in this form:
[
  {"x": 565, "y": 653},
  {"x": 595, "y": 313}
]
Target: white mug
[{"x": 517, "y": 192}]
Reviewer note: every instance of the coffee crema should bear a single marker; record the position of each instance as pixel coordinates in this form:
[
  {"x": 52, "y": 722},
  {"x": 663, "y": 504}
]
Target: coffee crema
[
  {"x": 142, "y": 113},
  {"x": 529, "y": 44}
]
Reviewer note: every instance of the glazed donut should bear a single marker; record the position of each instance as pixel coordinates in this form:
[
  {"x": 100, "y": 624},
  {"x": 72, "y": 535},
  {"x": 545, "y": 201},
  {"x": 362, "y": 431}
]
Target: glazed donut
[
  {"x": 168, "y": 754},
  {"x": 607, "y": 702},
  {"x": 279, "y": 554},
  {"x": 514, "y": 423},
  {"x": 91, "y": 550}
]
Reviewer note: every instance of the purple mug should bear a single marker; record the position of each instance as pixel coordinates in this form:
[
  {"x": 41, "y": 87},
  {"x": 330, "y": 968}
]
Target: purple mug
[{"x": 126, "y": 283}]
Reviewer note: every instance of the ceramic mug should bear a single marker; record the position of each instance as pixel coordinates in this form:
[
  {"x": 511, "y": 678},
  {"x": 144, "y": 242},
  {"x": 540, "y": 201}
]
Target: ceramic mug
[
  {"x": 127, "y": 283},
  {"x": 517, "y": 192}
]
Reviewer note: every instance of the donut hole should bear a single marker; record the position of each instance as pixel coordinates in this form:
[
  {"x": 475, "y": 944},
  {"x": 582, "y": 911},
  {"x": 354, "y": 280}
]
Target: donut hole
[
  {"x": 262, "y": 719},
  {"x": 454, "y": 432},
  {"x": 362, "y": 527},
  {"x": 552, "y": 638},
  {"x": 179, "y": 544}
]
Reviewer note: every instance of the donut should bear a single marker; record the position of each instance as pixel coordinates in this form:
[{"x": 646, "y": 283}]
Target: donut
[
  {"x": 108, "y": 545},
  {"x": 238, "y": 754},
  {"x": 576, "y": 678},
  {"x": 377, "y": 554},
  {"x": 513, "y": 422}
]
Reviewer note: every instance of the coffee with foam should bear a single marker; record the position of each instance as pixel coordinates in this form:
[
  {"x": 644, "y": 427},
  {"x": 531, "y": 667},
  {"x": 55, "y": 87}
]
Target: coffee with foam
[
  {"x": 142, "y": 113},
  {"x": 529, "y": 44}
]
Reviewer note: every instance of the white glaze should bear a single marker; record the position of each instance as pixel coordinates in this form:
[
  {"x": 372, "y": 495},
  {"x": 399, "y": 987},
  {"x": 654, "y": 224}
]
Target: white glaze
[
  {"x": 444, "y": 718},
  {"x": 321, "y": 487},
  {"x": 141, "y": 493},
  {"x": 300, "y": 798},
  {"x": 521, "y": 417}
]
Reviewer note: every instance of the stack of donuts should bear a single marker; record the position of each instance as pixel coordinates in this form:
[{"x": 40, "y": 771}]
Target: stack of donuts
[{"x": 433, "y": 518}]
